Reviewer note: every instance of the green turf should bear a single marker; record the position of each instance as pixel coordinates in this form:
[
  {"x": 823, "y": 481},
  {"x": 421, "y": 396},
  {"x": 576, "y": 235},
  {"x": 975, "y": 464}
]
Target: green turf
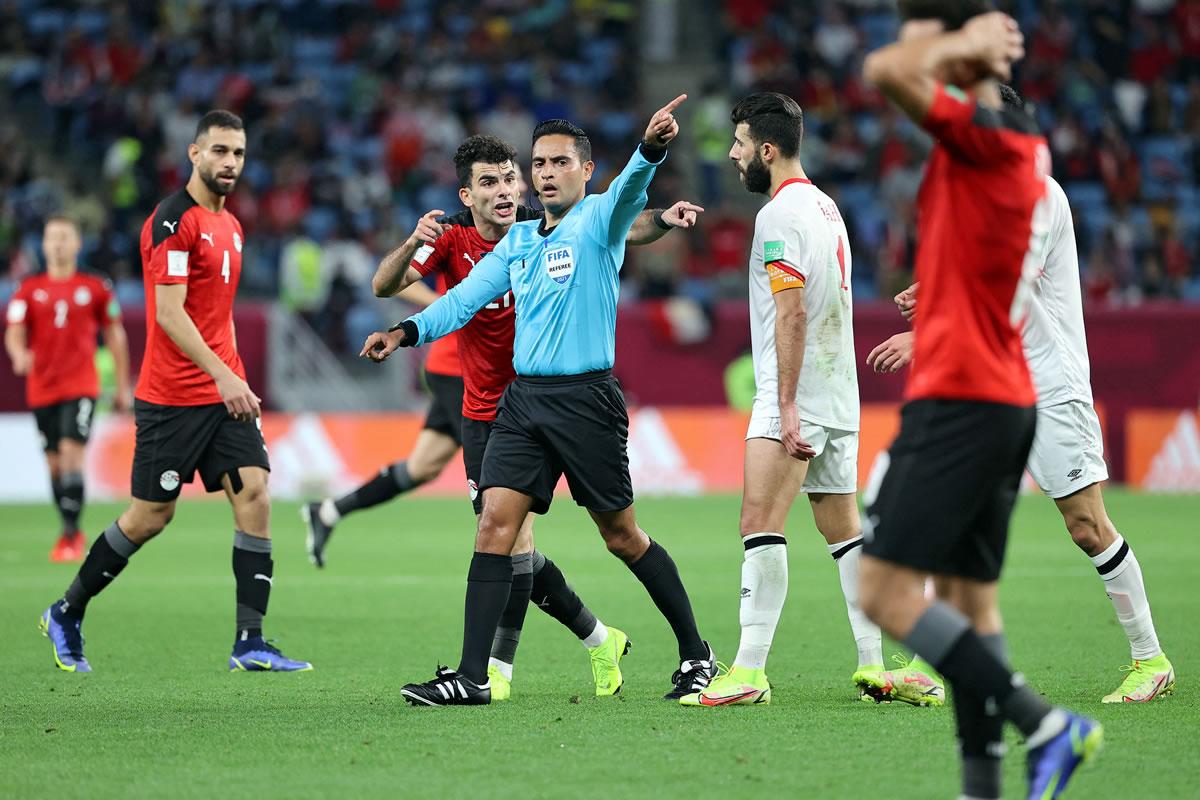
[{"x": 161, "y": 716}]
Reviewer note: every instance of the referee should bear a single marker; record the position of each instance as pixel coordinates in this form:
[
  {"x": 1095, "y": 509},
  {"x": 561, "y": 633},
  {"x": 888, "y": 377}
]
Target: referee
[{"x": 564, "y": 413}]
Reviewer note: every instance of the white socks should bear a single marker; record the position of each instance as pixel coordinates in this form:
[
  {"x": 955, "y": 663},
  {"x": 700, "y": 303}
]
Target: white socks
[
  {"x": 328, "y": 513},
  {"x": 597, "y": 637},
  {"x": 1122, "y": 576},
  {"x": 867, "y": 636},
  {"x": 764, "y": 588}
]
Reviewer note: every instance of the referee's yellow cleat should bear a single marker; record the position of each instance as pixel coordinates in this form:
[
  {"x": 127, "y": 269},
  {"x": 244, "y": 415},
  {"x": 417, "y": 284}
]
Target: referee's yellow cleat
[
  {"x": 738, "y": 687},
  {"x": 501, "y": 686},
  {"x": 606, "y": 662}
]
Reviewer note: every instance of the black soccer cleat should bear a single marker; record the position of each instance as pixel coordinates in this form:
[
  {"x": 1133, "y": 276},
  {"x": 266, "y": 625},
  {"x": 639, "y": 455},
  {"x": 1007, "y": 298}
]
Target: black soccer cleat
[
  {"x": 448, "y": 688},
  {"x": 693, "y": 675},
  {"x": 318, "y": 532}
]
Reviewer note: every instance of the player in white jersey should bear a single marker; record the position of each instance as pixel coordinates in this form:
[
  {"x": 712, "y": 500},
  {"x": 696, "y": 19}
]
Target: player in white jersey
[
  {"x": 1067, "y": 459},
  {"x": 803, "y": 433}
]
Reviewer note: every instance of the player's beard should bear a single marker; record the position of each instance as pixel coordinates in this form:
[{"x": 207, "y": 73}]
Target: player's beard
[
  {"x": 214, "y": 186},
  {"x": 756, "y": 176}
]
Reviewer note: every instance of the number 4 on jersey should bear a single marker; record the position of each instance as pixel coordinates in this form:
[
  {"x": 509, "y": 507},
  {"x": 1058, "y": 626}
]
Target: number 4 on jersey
[{"x": 225, "y": 267}]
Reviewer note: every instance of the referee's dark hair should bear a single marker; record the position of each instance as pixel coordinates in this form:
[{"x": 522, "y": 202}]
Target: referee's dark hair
[
  {"x": 1010, "y": 98},
  {"x": 481, "y": 150},
  {"x": 953, "y": 14},
  {"x": 562, "y": 127},
  {"x": 772, "y": 117},
  {"x": 218, "y": 118}
]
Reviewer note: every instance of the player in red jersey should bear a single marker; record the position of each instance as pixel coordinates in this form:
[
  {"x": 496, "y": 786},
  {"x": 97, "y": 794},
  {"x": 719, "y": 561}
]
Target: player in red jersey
[
  {"x": 193, "y": 408},
  {"x": 942, "y": 504},
  {"x": 53, "y": 321}
]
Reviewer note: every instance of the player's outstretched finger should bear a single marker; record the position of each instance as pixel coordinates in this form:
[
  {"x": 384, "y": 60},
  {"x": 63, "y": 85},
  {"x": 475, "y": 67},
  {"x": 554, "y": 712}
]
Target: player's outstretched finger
[
  {"x": 674, "y": 104},
  {"x": 369, "y": 345}
]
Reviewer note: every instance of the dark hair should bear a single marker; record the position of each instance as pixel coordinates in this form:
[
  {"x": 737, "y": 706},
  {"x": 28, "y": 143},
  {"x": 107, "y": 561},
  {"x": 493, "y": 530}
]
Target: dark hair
[
  {"x": 772, "y": 117},
  {"x": 481, "y": 150},
  {"x": 1010, "y": 98},
  {"x": 562, "y": 127},
  {"x": 218, "y": 118},
  {"x": 953, "y": 14}
]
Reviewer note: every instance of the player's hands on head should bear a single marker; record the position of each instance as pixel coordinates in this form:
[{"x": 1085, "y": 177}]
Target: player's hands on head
[
  {"x": 789, "y": 434},
  {"x": 906, "y": 301},
  {"x": 241, "y": 403},
  {"x": 893, "y": 355},
  {"x": 998, "y": 40},
  {"x": 663, "y": 127},
  {"x": 381, "y": 344},
  {"x": 22, "y": 362},
  {"x": 428, "y": 228},
  {"x": 682, "y": 215}
]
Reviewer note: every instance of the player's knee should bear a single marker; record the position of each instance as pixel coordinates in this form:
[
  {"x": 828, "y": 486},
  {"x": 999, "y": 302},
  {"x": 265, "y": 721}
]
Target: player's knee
[
  {"x": 625, "y": 540},
  {"x": 1085, "y": 530},
  {"x": 144, "y": 524},
  {"x": 757, "y": 517}
]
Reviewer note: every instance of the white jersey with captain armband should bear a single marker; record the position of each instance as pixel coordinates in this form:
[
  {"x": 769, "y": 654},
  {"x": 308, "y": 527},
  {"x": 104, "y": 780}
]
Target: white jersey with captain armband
[
  {"x": 801, "y": 240},
  {"x": 1053, "y": 336}
]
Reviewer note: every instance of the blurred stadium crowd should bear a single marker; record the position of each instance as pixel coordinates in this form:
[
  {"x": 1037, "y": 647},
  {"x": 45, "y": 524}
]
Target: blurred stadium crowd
[{"x": 354, "y": 107}]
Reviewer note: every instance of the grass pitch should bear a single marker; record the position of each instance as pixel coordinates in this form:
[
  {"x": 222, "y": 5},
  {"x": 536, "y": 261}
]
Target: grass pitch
[{"x": 162, "y": 717}]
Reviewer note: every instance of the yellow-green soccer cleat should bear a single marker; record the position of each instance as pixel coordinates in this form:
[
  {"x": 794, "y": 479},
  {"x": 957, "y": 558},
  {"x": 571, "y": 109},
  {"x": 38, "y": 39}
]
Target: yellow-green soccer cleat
[
  {"x": 737, "y": 687},
  {"x": 869, "y": 680},
  {"x": 1146, "y": 680},
  {"x": 606, "y": 663},
  {"x": 501, "y": 686},
  {"x": 913, "y": 682}
]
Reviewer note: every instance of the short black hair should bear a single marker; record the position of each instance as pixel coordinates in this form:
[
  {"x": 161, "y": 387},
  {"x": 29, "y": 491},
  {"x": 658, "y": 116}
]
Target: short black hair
[
  {"x": 218, "y": 118},
  {"x": 953, "y": 14},
  {"x": 481, "y": 150},
  {"x": 772, "y": 117},
  {"x": 562, "y": 127},
  {"x": 1010, "y": 98}
]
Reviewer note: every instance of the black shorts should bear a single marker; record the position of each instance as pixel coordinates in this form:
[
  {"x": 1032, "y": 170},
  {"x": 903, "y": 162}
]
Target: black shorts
[
  {"x": 173, "y": 442},
  {"x": 475, "y": 435},
  {"x": 547, "y": 427},
  {"x": 70, "y": 419},
  {"x": 952, "y": 477},
  {"x": 445, "y": 413}
]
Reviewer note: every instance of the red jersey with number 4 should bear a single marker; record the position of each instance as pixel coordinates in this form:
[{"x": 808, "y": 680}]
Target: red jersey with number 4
[
  {"x": 184, "y": 243},
  {"x": 485, "y": 344},
  {"x": 61, "y": 319},
  {"x": 981, "y": 225}
]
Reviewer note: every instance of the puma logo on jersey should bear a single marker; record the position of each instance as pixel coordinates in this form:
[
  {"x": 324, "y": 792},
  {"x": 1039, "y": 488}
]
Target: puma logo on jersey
[
  {"x": 468, "y": 258},
  {"x": 208, "y": 237},
  {"x": 170, "y": 225}
]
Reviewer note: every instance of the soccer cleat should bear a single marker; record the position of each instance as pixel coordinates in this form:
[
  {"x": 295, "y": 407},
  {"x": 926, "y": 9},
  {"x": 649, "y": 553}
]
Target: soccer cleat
[
  {"x": 693, "y": 676},
  {"x": 1146, "y": 680},
  {"x": 606, "y": 662},
  {"x": 738, "y": 687},
  {"x": 501, "y": 686},
  {"x": 448, "y": 688},
  {"x": 909, "y": 683},
  {"x": 257, "y": 655},
  {"x": 1051, "y": 764},
  {"x": 66, "y": 635},
  {"x": 69, "y": 547},
  {"x": 318, "y": 533}
]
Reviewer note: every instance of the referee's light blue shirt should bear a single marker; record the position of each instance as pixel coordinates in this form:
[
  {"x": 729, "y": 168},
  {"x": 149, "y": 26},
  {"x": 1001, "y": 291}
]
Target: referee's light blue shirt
[{"x": 564, "y": 284}]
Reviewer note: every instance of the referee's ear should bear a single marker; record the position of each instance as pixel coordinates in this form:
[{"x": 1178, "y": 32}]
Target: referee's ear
[{"x": 589, "y": 167}]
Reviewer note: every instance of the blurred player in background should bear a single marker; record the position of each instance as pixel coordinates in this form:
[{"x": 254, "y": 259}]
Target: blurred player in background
[
  {"x": 803, "y": 433},
  {"x": 1067, "y": 457},
  {"x": 941, "y": 502},
  {"x": 53, "y": 321},
  {"x": 194, "y": 409}
]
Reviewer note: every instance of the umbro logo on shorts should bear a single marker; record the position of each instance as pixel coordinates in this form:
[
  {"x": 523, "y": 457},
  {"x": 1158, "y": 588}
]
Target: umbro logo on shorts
[{"x": 1075, "y": 473}]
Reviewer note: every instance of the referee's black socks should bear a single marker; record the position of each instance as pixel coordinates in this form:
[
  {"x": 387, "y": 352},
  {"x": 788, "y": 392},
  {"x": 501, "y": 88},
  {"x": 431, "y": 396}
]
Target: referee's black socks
[
  {"x": 488, "y": 584},
  {"x": 658, "y": 573},
  {"x": 109, "y": 555}
]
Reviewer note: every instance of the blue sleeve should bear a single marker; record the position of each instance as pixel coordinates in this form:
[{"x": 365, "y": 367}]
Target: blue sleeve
[
  {"x": 487, "y": 281},
  {"x": 625, "y": 197}
]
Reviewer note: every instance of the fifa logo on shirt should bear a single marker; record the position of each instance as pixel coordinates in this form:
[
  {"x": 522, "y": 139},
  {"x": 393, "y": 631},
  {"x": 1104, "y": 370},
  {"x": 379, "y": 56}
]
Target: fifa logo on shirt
[{"x": 560, "y": 264}]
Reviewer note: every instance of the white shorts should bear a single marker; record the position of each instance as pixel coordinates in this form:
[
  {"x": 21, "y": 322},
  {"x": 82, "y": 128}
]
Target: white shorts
[
  {"x": 1068, "y": 449},
  {"x": 834, "y": 469}
]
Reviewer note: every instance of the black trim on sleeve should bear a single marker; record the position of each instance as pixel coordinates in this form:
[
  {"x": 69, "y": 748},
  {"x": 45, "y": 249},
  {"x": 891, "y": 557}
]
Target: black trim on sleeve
[
  {"x": 411, "y": 334},
  {"x": 169, "y": 214},
  {"x": 654, "y": 155}
]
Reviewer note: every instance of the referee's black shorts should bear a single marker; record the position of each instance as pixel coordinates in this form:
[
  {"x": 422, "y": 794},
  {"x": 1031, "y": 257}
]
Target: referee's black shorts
[
  {"x": 575, "y": 425},
  {"x": 445, "y": 412},
  {"x": 952, "y": 477}
]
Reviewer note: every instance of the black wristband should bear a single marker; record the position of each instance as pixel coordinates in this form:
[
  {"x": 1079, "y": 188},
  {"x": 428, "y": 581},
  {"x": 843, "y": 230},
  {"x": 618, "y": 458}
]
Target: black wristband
[
  {"x": 652, "y": 153},
  {"x": 659, "y": 222},
  {"x": 411, "y": 333}
]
